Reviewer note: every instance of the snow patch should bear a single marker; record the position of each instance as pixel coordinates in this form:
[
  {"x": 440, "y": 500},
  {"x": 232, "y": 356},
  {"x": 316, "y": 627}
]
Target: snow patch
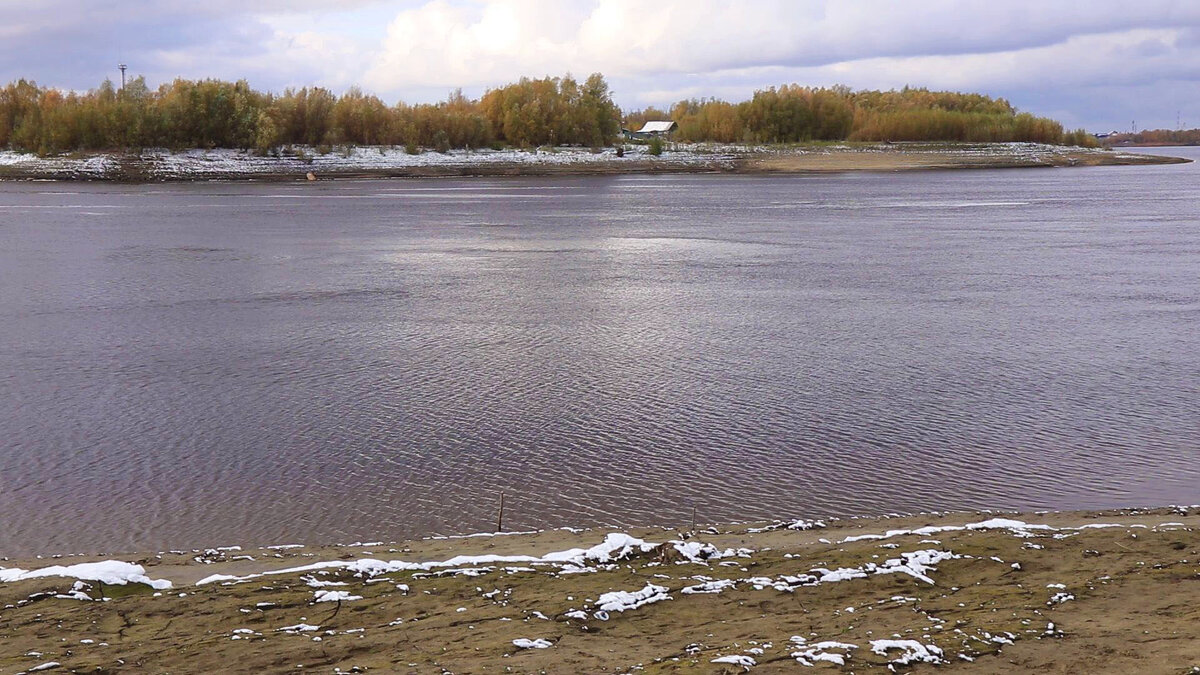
[
  {"x": 298, "y": 628},
  {"x": 746, "y": 662},
  {"x": 334, "y": 596},
  {"x": 828, "y": 651},
  {"x": 105, "y": 571},
  {"x": 526, "y": 643},
  {"x": 800, "y": 525},
  {"x": 913, "y": 651},
  {"x": 621, "y": 601},
  {"x": 709, "y": 587}
]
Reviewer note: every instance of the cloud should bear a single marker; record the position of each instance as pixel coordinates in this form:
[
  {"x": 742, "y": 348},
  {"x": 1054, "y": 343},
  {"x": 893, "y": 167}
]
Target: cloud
[
  {"x": 660, "y": 51},
  {"x": 1044, "y": 56},
  {"x": 476, "y": 43},
  {"x": 75, "y": 44}
]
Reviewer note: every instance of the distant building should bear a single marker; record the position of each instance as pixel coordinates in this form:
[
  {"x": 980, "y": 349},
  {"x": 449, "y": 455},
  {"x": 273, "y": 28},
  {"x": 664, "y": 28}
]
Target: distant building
[{"x": 650, "y": 130}]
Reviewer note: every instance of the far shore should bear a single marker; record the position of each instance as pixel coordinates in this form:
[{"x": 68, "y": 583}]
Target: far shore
[
  {"x": 1113, "y": 591},
  {"x": 392, "y": 162}
]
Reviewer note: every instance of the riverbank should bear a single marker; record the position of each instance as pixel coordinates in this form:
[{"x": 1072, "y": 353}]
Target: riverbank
[
  {"x": 389, "y": 162},
  {"x": 1115, "y": 591}
]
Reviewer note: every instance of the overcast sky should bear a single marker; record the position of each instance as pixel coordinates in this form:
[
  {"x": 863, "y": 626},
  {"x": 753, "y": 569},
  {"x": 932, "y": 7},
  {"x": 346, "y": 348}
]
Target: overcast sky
[{"x": 1100, "y": 64}]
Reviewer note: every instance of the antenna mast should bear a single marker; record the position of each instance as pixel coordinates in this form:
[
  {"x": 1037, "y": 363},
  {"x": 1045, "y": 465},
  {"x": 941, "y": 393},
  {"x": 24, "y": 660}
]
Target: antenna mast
[{"x": 122, "y": 67}]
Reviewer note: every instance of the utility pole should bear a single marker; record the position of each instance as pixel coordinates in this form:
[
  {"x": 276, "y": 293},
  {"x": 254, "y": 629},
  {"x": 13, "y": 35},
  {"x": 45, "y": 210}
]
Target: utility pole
[{"x": 122, "y": 67}]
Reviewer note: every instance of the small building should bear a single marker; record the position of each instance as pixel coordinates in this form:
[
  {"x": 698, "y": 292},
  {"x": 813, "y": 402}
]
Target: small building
[{"x": 650, "y": 130}]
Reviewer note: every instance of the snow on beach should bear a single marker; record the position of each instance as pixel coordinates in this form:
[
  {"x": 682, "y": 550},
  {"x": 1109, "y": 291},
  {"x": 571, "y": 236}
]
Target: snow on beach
[
  {"x": 615, "y": 547},
  {"x": 870, "y": 595},
  {"x": 112, "y": 572}
]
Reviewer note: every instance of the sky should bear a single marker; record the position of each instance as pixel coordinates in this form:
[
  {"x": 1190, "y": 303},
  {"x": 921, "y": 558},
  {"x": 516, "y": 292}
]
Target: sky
[{"x": 1099, "y": 64}]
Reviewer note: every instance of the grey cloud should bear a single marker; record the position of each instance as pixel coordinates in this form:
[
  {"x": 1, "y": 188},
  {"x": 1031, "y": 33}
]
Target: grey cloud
[
  {"x": 75, "y": 44},
  {"x": 879, "y": 28}
]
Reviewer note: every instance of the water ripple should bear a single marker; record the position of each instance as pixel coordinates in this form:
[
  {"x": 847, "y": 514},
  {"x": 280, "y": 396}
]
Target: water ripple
[{"x": 238, "y": 371}]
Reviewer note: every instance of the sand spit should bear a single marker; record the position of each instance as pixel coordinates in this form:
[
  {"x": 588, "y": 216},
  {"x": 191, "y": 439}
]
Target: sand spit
[
  {"x": 381, "y": 162},
  {"x": 1054, "y": 592}
]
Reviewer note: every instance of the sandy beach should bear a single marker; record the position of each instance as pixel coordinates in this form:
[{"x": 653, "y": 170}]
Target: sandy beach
[
  {"x": 391, "y": 162},
  {"x": 1114, "y": 591}
]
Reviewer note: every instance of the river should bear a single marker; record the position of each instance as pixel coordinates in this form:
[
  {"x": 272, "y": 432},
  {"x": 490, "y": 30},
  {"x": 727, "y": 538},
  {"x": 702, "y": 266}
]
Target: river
[{"x": 265, "y": 363}]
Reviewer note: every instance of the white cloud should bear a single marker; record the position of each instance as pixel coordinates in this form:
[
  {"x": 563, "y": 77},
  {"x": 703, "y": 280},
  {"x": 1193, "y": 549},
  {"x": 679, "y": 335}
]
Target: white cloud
[
  {"x": 1054, "y": 55},
  {"x": 480, "y": 43}
]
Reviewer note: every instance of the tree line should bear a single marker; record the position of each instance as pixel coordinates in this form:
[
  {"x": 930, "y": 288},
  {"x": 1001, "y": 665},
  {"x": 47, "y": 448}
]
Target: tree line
[
  {"x": 215, "y": 113},
  {"x": 1156, "y": 137},
  {"x": 796, "y": 114},
  {"x": 527, "y": 113}
]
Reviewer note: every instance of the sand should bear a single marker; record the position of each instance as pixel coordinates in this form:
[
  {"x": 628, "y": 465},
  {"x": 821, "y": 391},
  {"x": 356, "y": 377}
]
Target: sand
[{"x": 1123, "y": 598}]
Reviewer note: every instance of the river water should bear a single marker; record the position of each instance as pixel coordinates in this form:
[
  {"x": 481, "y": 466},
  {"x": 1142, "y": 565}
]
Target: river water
[{"x": 259, "y": 363}]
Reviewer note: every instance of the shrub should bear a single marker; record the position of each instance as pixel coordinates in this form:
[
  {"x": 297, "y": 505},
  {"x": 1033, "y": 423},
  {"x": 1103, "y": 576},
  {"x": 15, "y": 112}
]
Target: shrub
[
  {"x": 1081, "y": 138},
  {"x": 441, "y": 141},
  {"x": 656, "y": 146}
]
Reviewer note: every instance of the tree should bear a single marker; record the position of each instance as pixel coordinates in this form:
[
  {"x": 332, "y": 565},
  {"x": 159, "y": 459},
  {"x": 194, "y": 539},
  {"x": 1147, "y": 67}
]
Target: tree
[{"x": 526, "y": 113}]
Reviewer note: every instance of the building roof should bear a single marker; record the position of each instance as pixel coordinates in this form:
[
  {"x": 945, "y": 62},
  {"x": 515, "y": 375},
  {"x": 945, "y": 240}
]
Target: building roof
[{"x": 657, "y": 127}]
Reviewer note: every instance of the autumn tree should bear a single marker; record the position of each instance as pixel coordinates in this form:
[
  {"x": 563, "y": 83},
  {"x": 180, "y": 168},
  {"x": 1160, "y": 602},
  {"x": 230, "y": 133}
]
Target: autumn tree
[{"x": 527, "y": 113}]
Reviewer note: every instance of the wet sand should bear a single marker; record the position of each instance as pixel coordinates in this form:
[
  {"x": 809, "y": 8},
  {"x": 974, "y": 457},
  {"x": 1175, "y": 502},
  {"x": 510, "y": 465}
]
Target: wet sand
[{"x": 1115, "y": 591}]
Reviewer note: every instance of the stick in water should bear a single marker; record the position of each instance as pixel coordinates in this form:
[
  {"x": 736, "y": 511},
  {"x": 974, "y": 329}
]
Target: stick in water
[{"x": 500, "y": 517}]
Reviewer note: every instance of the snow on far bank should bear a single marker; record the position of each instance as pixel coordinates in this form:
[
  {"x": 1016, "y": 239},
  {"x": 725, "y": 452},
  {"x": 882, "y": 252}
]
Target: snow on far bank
[
  {"x": 200, "y": 162},
  {"x": 160, "y": 163},
  {"x": 105, "y": 571},
  {"x": 93, "y": 166}
]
